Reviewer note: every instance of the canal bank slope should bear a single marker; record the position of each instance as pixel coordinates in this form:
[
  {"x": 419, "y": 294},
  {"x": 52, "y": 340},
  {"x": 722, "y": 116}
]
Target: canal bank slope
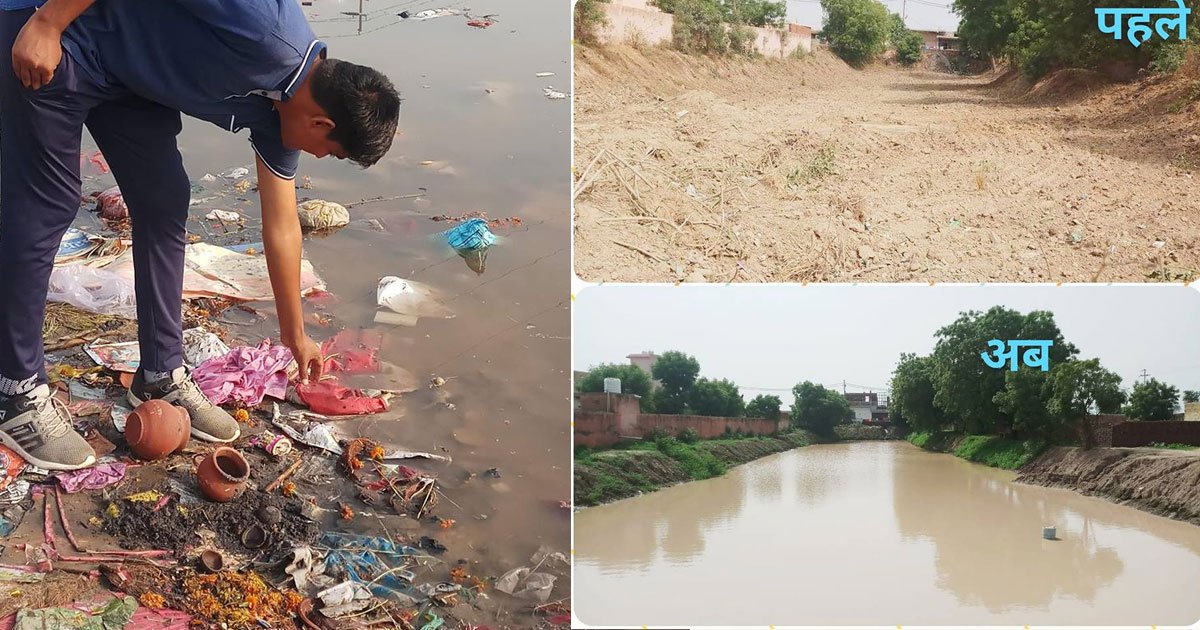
[
  {"x": 1161, "y": 481},
  {"x": 611, "y": 475}
]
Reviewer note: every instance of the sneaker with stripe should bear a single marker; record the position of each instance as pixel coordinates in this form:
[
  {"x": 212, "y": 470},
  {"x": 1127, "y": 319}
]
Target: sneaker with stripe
[{"x": 38, "y": 427}]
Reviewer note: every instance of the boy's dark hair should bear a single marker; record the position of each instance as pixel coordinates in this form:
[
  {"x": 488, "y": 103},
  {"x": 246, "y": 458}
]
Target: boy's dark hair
[{"x": 363, "y": 105}]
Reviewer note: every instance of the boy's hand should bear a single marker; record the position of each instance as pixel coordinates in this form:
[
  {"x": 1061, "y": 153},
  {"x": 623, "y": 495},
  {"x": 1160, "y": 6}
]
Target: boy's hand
[
  {"x": 37, "y": 52},
  {"x": 308, "y": 357}
]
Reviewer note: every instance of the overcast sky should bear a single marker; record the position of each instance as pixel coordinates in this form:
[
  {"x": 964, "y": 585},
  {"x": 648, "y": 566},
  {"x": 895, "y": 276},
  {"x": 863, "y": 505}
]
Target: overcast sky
[
  {"x": 766, "y": 337},
  {"x": 922, "y": 15}
]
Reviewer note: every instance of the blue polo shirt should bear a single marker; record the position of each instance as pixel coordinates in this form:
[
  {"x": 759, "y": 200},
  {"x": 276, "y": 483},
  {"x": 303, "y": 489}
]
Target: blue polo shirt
[{"x": 224, "y": 61}]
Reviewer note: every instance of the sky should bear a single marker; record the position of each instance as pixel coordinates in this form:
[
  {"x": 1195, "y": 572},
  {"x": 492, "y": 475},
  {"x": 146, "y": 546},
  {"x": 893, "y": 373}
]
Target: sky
[
  {"x": 770, "y": 337},
  {"x": 921, "y": 15}
]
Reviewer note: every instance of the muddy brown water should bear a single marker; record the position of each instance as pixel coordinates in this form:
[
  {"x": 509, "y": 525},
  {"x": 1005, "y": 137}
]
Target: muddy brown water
[
  {"x": 879, "y": 533},
  {"x": 505, "y": 350}
]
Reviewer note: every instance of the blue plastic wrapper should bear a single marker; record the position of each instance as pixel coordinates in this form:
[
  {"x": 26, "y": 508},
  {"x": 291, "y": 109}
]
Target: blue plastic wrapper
[
  {"x": 364, "y": 558},
  {"x": 470, "y": 236}
]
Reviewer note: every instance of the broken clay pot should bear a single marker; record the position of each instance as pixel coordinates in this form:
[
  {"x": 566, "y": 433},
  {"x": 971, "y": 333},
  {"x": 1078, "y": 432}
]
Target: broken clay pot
[
  {"x": 156, "y": 429},
  {"x": 222, "y": 474}
]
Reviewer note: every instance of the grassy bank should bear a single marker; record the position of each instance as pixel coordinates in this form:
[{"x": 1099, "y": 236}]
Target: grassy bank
[
  {"x": 990, "y": 450},
  {"x": 607, "y": 475}
]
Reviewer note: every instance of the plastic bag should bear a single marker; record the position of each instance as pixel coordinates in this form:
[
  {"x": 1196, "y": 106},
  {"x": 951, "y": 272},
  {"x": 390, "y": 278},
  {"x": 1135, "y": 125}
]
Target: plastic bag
[
  {"x": 318, "y": 214},
  {"x": 111, "y": 204},
  {"x": 470, "y": 235},
  {"x": 92, "y": 289}
]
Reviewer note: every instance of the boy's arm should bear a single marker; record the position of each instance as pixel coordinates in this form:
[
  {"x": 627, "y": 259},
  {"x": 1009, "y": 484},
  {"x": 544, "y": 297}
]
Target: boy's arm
[
  {"x": 38, "y": 47},
  {"x": 281, "y": 241}
]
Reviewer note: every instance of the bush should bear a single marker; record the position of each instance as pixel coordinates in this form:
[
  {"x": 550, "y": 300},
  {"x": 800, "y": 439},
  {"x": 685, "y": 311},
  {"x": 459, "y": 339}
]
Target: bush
[
  {"x": 856, "y": 30},
  {"x": 688, "y": 436},
  {"x": 998, "y": 452},
  {"x": 699, "y": 28},
  {"x": 589, "y": 18},
  {"x": 908, "y": 48},
  {"x": 698, "y": 463}
]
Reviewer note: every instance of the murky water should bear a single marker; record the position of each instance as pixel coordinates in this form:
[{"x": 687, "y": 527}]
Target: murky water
[
  {"x": 505, "y": 351},
  {"x": 879, "y": 533}
]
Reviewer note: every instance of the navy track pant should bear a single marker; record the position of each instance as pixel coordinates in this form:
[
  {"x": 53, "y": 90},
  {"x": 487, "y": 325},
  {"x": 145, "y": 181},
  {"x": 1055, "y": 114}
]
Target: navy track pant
[{"x": 40, "y": 134}]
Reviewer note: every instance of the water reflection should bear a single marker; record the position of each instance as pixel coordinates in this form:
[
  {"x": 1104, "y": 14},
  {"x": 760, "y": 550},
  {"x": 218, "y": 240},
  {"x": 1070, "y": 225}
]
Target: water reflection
[
  {"x": 986, "y": 529},
  {"x": 879, "y": 534}
]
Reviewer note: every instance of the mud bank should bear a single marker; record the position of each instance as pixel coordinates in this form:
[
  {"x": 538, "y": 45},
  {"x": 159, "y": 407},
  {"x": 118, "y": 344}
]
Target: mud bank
[
  {"x": 1163, "y": 482},
  {"x": 616, "y": 474}
]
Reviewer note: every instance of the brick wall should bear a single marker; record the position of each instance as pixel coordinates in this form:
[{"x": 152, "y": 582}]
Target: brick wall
[
  {"x": 705, "y": 426},
  {"x": 636, "y": 21},
  {"x": 1104, "y": 424},
  {"x": 1142, "y": 433},
  {"x": 595, "y": 429},
  {"x": 597, "y": 426}
]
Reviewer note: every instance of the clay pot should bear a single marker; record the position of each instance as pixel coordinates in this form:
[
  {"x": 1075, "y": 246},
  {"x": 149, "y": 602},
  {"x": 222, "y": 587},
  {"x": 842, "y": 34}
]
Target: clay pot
[
  {"x": 255, "y": 537},
  {"x": 156, "y": 429},
  {"x": 222, "y": 474},
  {"x": 211, "y": 561}
]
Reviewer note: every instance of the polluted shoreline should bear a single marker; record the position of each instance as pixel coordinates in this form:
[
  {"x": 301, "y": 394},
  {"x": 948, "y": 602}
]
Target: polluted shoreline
[{"x": 305, "y": 520}]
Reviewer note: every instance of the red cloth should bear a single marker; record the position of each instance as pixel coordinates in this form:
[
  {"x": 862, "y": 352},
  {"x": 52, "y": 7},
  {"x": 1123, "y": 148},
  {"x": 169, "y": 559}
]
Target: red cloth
[
  {"x": 331, "y": 399},
  {"x": 352, "y": 352}
]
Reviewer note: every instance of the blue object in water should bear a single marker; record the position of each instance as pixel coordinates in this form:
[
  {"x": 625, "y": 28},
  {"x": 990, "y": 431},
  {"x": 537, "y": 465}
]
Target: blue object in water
[
  {"x": 470, "y": 235},
  {"x": 363, "y": 560}
]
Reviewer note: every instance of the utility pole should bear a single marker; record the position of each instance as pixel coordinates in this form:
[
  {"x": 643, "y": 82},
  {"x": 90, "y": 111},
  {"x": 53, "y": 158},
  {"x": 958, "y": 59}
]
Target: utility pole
[
  {"x": 360, "y": 15},
  {"x": 904, "y": 11},
  {"x": 1144, "y": 375},
  {"x": 843, "y": 387}
]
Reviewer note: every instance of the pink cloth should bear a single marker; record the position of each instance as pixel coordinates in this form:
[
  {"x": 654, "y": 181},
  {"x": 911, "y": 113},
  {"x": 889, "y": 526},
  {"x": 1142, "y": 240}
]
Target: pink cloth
[
  {"x": 245, "y": 374},
  {"x": 94, "y": 478}
]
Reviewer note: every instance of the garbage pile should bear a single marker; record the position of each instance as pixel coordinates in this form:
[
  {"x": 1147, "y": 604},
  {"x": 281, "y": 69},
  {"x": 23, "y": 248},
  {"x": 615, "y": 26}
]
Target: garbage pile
[{"x": 167, "y": 532}]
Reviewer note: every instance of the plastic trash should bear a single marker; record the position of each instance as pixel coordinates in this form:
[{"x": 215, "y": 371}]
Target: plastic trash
[
  {"x": 97, "y": 477},
  {"x": 523, "y": 583},
  {"x": 91, "y": 289},
  {"x": 315, "y": 430},
  {"x": 318, "y": 214},
  {"x": 369, "y": 560},
  {"x": 544, "y": 74},
  {"x": 344, "y": 599},
  {"x": 11, "y": 466},
  {"x": 472, "y": 234},
  {"x": 307, "y": 570},
  {"x": 246, "y": 374},
  {"x": 117, "y": 613},
  {"x": 408, "y": 299},
  {"x": 228, "y": 216},
  {"x": 75, "y": 244},
  {"x": 236, "y": 173},
  {"x": 111, "y": 204},
  {"x": 553, "y": 94}
]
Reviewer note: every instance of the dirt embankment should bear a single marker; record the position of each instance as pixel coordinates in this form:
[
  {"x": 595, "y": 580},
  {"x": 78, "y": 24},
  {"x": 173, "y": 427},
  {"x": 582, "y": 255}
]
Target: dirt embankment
[
  {"x": 618, "y": 474},
  {"x": 1159, "y": 481},
  {"x": 713, "y": 170}
]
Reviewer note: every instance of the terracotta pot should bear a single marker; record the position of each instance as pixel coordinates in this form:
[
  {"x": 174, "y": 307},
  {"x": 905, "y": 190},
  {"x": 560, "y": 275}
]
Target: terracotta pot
[
  {"x": 156, "y": 429},
  {"x": 211, "y": 561},
  {"x": 222, "y": 474}
]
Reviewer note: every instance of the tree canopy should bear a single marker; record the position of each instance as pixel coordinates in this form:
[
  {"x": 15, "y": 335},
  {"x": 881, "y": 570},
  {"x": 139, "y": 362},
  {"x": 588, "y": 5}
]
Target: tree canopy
[
  {"x": 818, "y": 409},
  {"x": 764, "y": 406},
  {"x": 716, "y": 398},
  {"x": 1152, "y": 400},
  {"x": 633, "y": 381},
  {"x": 856, "y": 30},
  {"x": 1079, "y": 389}
]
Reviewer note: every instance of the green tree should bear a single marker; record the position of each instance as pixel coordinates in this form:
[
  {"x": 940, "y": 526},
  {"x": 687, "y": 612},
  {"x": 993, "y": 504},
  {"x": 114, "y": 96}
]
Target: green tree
[
  {"x": 1026, "y": 399},
  {"x": 633, "y": 381},
  {"x": 716, "y": 398},
  {"x": 913, "y": 389},
  {"x": 589, "y": 18},
  {"x": 965, "y": 386},
  {"x": 907, "y": 43},
  {"x": 818, "y": 409},
  {"x": 699, "y": 27},
  {"x": 759, "y": 12},
  {"x": 764, "y": 406},
  {"x": 1191, "y": 396},
  {"x": 677, "y": 373},
  {"x": 856, "y": 30},
  {"x": 1080, "y": 389},
  {"x": 1152, "y": 400}
]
